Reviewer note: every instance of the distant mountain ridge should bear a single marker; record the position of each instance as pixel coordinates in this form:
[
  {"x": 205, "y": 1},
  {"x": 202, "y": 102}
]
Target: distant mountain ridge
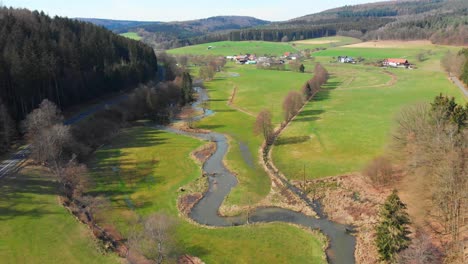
[
  {"x": 442, "y": 21},
  {"x": 112, "y": 24}
]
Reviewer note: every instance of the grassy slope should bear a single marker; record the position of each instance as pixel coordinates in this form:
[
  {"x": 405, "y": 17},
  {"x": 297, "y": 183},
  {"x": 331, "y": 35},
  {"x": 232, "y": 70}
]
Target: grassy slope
[
  {"x": 35, "y": 228},
  {"x": 256, "y": 90},
  {"x": 260, "y": 48},
  {"x": 153, "y": 165},
  {"x": 131, "y": 35},
  {"x": 350, "y": 122}
]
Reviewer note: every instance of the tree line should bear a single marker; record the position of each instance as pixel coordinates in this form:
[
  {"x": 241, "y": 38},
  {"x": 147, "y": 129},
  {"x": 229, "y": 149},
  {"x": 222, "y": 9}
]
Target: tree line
[
  {"x": 457, "y": 64},
  {"x": 431, "y": 143},
  {"x": 62, "y": 148},
  {"x": 292, "y": 104},
  {"x": 63, "y": 60}
]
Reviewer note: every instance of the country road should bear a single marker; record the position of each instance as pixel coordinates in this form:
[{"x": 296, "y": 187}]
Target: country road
[
  {"x": 13, "y": 163},
  {"x": 460, "y": 85}
]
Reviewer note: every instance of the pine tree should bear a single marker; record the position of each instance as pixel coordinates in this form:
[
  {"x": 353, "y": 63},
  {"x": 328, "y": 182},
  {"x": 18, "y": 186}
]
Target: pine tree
[{"x": 392, "y": 232}]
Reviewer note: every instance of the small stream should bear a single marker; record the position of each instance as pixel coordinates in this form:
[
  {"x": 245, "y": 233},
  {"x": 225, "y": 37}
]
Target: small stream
[{"x": 221, "y": 181}]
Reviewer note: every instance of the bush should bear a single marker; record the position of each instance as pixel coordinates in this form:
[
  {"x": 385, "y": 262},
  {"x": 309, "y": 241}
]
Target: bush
[{"x": 379, "y": 171}]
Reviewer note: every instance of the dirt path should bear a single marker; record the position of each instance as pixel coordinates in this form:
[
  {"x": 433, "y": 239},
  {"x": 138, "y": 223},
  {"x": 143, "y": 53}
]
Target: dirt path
[
  {"x": 231, "y": 103},
  {"x": 459, "y": 84}
]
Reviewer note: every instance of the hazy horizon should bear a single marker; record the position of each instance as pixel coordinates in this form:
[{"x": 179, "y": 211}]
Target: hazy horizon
[{"x": 177, "y": 10}]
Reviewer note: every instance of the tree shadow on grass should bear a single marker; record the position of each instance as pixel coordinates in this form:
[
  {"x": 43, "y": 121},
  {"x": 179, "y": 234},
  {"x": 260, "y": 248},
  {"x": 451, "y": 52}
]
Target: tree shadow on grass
[
  {"x": 309, "y": 115},
  {"x": 210, "y": 127},
  {"x": 197, "y": 250},
  {"x": 291, "y": 140},
  {"x": 20, "y": 196}
]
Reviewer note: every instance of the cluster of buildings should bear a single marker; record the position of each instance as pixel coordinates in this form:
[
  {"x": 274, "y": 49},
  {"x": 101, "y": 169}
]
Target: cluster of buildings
[
  {"x": 253, "y": 59},
  {"x": 390, "y": 62}
]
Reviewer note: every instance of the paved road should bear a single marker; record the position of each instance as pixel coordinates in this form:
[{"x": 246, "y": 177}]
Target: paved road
[
  {"x": 13, "y": 163},
  {"x": 460, "y": 85}
]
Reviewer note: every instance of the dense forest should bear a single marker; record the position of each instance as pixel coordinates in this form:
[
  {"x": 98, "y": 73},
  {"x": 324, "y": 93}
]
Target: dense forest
[{"x": 65, "y": 61}]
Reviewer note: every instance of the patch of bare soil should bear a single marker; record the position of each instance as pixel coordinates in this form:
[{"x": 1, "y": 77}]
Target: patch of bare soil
[
  {"x": 187, "y": 259},
  {"x": 203, "y": 153},
  {"x": 351, "y": 200},
  {"x": 317, "y": 42},
  {"x": 187, "y": 202},
  {"x": 390, "y": 44}
]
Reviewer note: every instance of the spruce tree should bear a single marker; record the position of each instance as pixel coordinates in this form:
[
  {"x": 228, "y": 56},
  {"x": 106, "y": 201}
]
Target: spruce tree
[{"x": 392, "y": 232}]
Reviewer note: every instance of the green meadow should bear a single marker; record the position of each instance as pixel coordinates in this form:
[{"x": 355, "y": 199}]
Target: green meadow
[
  {"x": 152, "y": 166},
  {"x": 229, "y": 48},
  {"x": 351, "y": 120},
  {"x": 131, "y": 35},
  {"x": 36, "y": 228}
]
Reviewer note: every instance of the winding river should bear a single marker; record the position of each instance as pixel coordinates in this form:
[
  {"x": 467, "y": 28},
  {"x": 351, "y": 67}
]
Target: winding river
[{"x": 221, "y": 181}]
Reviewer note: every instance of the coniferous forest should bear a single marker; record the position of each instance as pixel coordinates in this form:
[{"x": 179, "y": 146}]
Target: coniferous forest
[{"x": 65, "y": 61}]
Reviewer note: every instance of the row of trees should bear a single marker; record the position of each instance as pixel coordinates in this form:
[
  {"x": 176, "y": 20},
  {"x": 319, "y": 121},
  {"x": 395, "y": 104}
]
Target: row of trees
[
  {"x": 457, "y": 64},
  {"x": 61, "y": 147},
  {"x": 433, "y": 141},
  {"x": 292, "y": 104}
]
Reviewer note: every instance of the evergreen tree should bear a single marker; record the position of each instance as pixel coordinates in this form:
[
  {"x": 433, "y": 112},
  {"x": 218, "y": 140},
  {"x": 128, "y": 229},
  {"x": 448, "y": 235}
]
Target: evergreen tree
[
  {"x": 302, "y": 68},
  {"x": 187, "y": 90},
  {"x": 392, "y": 232}
]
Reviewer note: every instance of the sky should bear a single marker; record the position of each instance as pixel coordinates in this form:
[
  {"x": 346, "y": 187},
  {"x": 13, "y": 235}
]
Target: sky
[{"x": 179, "y": 10}]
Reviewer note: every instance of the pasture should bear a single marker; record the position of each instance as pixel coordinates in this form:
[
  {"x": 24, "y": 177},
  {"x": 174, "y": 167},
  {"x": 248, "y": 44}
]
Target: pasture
[
  {"x": 351, "y": 120},
  {"x": 36, "y": 228},
  {"x": 260, "y": 48},
  {"x": 152, "y": 166},
  {"x": 131, "y": 35}
]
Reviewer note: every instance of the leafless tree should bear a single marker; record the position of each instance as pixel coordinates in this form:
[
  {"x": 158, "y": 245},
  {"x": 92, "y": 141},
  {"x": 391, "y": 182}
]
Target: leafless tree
[
  {"x": 48, "y": 146},
  {"x": 292, "y": 104},
  {"x": 155, "y": 240},
  {"x": 45, "y": 116},
  {"x": 437, "y": 149},
  {"x": 263, "y": 125},
  {"x": 74, "y": 179},
  {"x": 379, "y": 171},
  {"x": 453, "y": 63}
]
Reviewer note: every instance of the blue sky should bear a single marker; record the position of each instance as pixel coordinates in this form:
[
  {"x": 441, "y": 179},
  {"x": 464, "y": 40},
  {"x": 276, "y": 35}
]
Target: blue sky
[{"x": 171, "y": 10}]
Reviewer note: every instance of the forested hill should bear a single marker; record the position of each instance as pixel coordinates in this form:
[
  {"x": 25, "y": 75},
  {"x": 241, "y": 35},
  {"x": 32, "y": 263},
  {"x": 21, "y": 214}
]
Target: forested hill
[
  {"x": 441, "y": 21},
  {"x": 116, "y": 24},
  {"x": 64, "y": 60},
  {"x": 165, "y": 35}
]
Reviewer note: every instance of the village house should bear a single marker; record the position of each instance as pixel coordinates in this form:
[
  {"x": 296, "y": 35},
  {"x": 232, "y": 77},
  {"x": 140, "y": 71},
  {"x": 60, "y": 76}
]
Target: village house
[
  {"x": 241, "y": 59},
  {"x": 346, "y": 59},
  {"x": 396, "y": 63}
]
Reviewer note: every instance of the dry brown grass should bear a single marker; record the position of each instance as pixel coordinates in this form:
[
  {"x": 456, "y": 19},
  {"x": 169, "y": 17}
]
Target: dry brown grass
[{"x": 391, "y": 44}]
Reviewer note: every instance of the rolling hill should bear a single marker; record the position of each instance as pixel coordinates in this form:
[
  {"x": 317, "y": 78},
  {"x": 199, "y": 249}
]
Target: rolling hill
[{"x": 441, "y": 21}]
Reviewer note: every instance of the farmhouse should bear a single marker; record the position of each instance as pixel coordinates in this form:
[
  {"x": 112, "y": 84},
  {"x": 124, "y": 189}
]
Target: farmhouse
[
  {"x": 242, "y": 59},
  {"x": 346, "y": 59},
  {"x": 396, "y": 63}
]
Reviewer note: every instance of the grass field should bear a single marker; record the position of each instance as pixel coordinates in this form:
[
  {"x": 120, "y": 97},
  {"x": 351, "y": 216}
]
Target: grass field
[
  {"x": 350, "y": 122},
  {"x": 153, "y": 165},
  {"x": 260, "y": 48},
  {"x": 35, "y": 228},
  {"x": 131, "y": 35},
  {"x": 256, "y": 90}
]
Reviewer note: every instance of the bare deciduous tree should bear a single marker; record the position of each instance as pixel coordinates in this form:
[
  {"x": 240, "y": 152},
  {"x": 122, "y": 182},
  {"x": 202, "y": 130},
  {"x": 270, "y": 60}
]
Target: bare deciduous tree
[
  {"x": 264, "y": 126},
  {"x": 292, "y": 104},
  {"x": 155, "y": 241},
  {"x": 379, "y": 171},
  {"x": 435, "y": 146},
  {"x": 45, "y": 116}
]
